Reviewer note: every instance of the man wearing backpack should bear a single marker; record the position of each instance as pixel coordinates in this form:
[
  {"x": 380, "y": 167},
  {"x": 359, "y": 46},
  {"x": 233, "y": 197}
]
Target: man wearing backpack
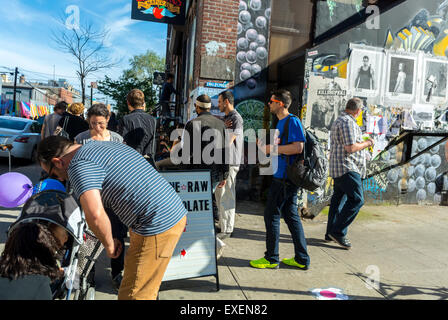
[
  {"x": 347, "y": 167},
  {"x": 282, "y": 197}
]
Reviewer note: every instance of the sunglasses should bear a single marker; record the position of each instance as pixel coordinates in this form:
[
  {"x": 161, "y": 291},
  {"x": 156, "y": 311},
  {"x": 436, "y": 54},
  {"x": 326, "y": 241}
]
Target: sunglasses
[{"x": 273, "y": 100}]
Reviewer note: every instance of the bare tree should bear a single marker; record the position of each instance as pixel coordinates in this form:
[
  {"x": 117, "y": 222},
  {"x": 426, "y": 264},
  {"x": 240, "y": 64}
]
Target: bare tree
[{"x": 87, "y": 45}]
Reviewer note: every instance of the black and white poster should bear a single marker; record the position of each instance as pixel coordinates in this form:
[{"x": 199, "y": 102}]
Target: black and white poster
[
  {"x": 434, "y": 81},
  {"x": 401, "y": 73},
  {"x": 423, "y": 115},
  {"x": 327, "y": 98},
  {"x": 365, "y": 71}
]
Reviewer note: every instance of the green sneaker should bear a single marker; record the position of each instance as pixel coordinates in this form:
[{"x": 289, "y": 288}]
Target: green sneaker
[
  {"x": 263, "y": 264},
  {"x": 292, "y": 262}
]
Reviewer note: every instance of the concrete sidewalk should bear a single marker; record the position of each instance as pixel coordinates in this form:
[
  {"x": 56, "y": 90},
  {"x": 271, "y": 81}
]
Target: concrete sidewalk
[{"x": 399, "y": 252}]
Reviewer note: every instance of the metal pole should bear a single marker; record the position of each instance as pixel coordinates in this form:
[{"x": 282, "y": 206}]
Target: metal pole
[
  {"x": 15, "y": 88},
  {"x": 91, "y": 95}
]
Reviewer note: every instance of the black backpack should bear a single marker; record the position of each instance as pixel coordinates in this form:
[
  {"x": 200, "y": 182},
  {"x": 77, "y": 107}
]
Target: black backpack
[{"x": 309, "y": 170}]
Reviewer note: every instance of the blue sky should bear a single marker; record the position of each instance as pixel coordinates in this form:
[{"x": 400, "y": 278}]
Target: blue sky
[{"x": 25, "y": 36}]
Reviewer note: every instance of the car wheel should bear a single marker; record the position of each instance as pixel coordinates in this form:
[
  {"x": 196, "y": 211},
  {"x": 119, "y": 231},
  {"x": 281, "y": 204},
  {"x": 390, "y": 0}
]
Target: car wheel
[{"x": 33, "y": 158}]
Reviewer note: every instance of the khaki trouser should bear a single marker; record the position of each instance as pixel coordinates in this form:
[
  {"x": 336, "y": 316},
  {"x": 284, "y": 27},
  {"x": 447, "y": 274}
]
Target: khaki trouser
[
  {"x": 226, "y": 201},
  {"x": 146, "y": 261}
]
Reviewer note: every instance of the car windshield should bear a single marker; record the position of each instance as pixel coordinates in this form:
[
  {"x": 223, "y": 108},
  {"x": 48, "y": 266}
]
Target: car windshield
[{"x": 12, "y": 124}]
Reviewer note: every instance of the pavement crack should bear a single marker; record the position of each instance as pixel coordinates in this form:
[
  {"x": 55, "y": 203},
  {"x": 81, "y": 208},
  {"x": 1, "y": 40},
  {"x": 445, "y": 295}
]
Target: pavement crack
[{"x": 236, "y": 280}]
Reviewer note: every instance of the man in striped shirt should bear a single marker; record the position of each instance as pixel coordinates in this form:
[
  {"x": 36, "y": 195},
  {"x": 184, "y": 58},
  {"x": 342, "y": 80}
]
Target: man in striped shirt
[
  {"x": 347, "y": 168},
  {"x": 113, "y": 175}
]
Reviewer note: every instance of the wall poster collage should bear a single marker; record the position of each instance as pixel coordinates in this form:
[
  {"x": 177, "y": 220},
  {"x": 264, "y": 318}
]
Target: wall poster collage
[
  {"x": 415, "y": 81},
  {"x": 389, "y": 82},
  {"x": 412, "y": 81}
]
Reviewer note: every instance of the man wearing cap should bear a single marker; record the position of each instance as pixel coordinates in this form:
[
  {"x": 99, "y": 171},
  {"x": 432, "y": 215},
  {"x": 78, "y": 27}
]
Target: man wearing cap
[
  {"x": 204, "y": 130},
  {"x": 199, "y": 134}
]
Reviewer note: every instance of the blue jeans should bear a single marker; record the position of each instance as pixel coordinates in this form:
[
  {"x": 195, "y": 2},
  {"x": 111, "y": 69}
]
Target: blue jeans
[
  {"x": 347, "y": 200},
  {"x": 282, "y": 200}
]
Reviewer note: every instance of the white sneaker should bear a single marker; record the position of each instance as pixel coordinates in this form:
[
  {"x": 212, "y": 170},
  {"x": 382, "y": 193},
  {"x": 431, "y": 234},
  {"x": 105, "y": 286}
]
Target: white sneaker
[{"x": 219, "y": 247}]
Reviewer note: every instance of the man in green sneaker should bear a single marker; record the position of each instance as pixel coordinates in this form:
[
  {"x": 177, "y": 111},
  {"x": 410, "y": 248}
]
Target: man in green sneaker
[{"x": 282, "y": 196}]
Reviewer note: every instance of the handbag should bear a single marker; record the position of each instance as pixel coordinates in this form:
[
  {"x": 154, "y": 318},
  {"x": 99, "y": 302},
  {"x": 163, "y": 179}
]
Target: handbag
[{"x": 63, "y": 132}]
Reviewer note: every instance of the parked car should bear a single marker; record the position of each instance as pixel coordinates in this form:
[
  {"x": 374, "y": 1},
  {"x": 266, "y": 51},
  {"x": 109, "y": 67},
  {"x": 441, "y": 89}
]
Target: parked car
[{"x": 23, "y": 134}]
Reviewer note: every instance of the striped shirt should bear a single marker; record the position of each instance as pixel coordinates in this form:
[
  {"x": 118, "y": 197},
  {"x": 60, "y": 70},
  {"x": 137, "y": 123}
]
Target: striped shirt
[
  {"x": 141, "y": 198},
  {"x": 344, "y": 132}
]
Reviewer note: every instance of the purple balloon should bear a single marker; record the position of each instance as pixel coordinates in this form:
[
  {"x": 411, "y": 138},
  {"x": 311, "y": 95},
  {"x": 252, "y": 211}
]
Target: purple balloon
[{"x": 15, "y": 189}]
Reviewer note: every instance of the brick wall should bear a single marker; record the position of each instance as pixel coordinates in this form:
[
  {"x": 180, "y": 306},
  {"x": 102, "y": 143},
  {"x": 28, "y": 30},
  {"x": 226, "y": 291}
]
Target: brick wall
[
  {"x": 217, "y": 21},
  {"x": 65, "y": 95}
]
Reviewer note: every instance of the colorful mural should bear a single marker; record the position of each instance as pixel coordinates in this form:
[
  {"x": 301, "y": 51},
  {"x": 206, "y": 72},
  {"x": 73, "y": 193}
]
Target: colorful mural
[
  {"x": 23, "y": 109},
  {"x": 164, "y": 11}
]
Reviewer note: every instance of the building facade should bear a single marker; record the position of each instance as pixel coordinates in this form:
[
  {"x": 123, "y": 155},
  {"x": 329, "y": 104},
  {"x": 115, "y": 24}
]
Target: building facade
[
  {"x": 316, "y": 49},
  {"x": 236, "y": 45}
]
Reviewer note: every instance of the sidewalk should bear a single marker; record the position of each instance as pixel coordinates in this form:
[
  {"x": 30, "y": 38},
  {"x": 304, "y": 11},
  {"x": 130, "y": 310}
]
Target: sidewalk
[
  {"x": 404, "y": 247},
  {"x": 407, "y": 245}
]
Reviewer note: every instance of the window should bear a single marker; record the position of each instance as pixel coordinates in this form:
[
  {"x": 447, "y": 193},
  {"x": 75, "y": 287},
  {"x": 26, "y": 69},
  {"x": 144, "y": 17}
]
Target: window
[
  {"x": 12, "y": 124},
  {"x": 36, "y": 127}
]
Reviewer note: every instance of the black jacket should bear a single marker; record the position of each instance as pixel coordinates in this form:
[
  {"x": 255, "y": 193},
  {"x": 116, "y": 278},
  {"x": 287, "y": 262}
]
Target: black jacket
[
  {"x": 219, "y": 170},
  {"x": 75, "y": 125},
  {"x": 138, "y": 131},
  {"x": 167, "y": 90}
]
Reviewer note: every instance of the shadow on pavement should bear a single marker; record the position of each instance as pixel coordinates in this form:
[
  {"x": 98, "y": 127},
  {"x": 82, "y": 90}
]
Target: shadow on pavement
[
  {"x": 204, "y": 286},
  {"x": 323, "y": 244},
  {"x": 256, "y": 235},
  {"x": 397, "y": 291}
]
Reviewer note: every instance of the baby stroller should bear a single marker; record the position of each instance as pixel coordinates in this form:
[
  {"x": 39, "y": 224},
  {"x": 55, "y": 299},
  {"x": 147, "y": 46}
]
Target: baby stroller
[{"x": 81, "y": 250}]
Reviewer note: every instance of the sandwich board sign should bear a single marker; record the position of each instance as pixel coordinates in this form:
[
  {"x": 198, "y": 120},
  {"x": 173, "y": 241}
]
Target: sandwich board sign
[{"x": 195, "y": 253}]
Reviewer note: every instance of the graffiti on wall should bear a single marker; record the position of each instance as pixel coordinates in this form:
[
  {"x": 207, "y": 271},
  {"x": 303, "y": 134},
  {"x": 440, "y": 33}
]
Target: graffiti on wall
[
  {"x": 253, "y": 35},
  {"x": 252, "y": 61},
  {"x": 415, "y": 182},
  {"x": 425, "y": 35}
]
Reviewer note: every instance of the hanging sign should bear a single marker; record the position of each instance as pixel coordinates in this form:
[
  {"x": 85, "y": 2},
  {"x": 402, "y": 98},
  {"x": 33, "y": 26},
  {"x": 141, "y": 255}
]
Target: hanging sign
[
  {"x": 195, "y": 253},
  {"x": 163, "y": 11},
  {"x": 217, "y": 85}
]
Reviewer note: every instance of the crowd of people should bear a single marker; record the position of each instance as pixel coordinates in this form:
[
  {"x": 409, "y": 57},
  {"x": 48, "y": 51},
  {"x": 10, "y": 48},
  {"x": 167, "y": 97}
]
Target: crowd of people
[{"x": 112, "y": 170}]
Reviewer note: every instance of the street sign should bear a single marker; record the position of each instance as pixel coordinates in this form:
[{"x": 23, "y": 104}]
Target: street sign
[{"x": 216, "y": 85}]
